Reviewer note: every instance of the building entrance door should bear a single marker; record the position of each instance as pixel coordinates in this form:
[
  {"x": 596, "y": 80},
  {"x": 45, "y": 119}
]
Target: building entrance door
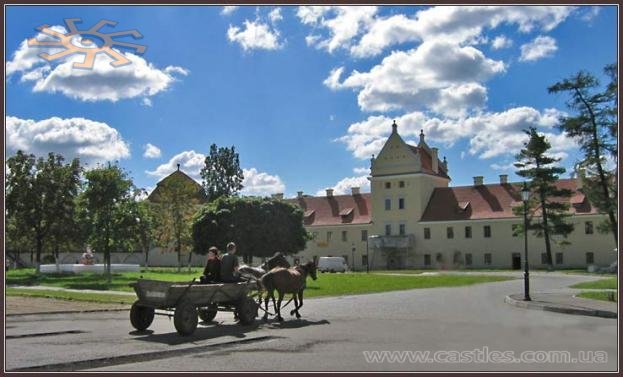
[{"x": 516, "y": 261}]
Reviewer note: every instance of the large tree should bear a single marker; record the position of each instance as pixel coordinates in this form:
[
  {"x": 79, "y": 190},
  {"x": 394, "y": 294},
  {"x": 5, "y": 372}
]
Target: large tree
[
  {"x": 40, "y": 197},
  {"x": 549, "y": 204},
  {"x": 145, "y": 227},
  {"x": 174, "y": 205},
  {"x": 221, "y": 174},
  {"x": 108, "y": 211},
  {"x": 259, "y": 226},
  {"x": 595, "y": 126}
]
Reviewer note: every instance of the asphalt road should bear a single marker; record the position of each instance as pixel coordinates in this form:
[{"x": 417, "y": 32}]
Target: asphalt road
[{"x": 333, "y": 334}]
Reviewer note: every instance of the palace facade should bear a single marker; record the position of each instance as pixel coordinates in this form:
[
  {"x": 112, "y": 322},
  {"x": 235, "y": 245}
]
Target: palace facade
[{"x": 413, "y": 218}]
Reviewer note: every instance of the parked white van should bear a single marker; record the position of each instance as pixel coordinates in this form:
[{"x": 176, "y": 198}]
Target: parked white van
[{"x": 332, "y": 264}]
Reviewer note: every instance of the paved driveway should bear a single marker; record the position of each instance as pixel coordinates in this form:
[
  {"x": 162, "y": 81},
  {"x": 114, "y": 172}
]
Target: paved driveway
[{"x": 332, "y": 335}]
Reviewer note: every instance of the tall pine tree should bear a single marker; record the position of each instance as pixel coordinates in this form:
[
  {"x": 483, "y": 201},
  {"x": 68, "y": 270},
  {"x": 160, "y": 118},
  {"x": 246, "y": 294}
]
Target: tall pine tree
[
  {"x": 221, "y": 174},
  {"x": 548, "y": 203}
]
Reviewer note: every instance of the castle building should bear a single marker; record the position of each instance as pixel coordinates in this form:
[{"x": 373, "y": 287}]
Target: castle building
[{"x": 413, "y": 218}]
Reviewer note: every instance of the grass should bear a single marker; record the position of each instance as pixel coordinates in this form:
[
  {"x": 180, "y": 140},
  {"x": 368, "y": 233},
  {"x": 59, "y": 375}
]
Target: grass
[
  {"x": 609, "y": 283},
  {"x": 73, "y": 296},
  {"x": 326, "y": 285},
  {"x": 359, "y": 283},
  {"x": 599, "y": 295}
]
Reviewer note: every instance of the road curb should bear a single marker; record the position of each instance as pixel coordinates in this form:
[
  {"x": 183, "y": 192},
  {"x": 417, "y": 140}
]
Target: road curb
[
  {"x": 70, "y": 312},
  {"x": 559, "y": 308}
]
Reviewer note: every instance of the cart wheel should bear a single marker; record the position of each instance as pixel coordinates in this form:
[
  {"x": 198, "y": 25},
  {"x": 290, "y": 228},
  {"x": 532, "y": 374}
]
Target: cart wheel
[
  {"x": 185, "y": 318},
  {"x": 207, "y": 314},
  {"x": 247, "y": 311},
  {"x": 141, "y": 316}
]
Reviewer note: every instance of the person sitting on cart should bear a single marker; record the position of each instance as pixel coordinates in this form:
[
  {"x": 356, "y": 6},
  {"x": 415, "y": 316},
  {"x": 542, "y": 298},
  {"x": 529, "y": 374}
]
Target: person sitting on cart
[
  {"x": 229, "y": 265},
  {"x": 212, "y": 270}
]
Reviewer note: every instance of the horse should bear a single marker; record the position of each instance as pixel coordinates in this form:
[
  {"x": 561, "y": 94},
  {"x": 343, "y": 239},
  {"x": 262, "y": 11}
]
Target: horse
[
  {"x": 277, "y": 260},
  {"x": 287, "y": 280}
]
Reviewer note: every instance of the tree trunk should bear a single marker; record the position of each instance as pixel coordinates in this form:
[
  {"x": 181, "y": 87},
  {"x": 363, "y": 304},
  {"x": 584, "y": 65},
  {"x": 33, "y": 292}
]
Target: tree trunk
[
  {"x": 107, "y": 258},
  {"x": 179, "y": 255},
  {"x": 38, "y": 251},
  {"x": 146, "y": 258},
  {"x": 548, "y": 246},
  {"x": 190, "y": 257}
]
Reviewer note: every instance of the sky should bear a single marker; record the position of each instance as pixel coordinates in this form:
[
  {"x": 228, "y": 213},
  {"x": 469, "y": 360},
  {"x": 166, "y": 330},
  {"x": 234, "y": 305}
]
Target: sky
[{"x": 306, "y": 94}]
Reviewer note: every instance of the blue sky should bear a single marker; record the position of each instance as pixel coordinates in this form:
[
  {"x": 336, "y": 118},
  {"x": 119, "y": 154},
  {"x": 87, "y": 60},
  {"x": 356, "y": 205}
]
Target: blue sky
[{"x": 306, "y": 94}]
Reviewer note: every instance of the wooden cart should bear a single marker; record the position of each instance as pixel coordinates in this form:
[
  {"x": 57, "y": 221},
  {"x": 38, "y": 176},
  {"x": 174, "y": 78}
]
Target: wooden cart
[{"x": 186, "y": 302}]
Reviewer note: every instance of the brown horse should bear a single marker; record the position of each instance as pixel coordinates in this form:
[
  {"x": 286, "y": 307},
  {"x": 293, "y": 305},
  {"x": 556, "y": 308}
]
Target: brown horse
[{"x": 287, "y": 280}]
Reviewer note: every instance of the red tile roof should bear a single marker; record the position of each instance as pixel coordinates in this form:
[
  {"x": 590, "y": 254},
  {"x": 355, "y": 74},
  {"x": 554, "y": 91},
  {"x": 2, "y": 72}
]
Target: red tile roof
[
  {"x": 490, "y": 201},
  {"x": 427, "y": 162},
  {"x": 338, "y": 209}
]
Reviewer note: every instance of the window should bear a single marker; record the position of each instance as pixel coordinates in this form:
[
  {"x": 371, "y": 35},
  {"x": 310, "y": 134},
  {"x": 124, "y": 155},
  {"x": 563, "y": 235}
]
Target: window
[
  {"x": 388, "y": 229},
  {"x": 590, "y": 258},
  {"x": 450, "y": 232},
  {"x": 388, "y": 204},
  {"x": 364, "y": 260},
  {"x": 558, "y": 258},
  {"x": 487, "y": 229},
  {"x": 468, "y": 232},
  {"x": 401, "y": 203},
  {"x": 515, "y": 228},
  {"x": 364, "y": 235},
  {"x": 588, "y": 227},
  {"x": 402, "y": 229},
  {"x": 426, "y": 259},
  {"x": 329, "y": 236},
  {"x": 544, "y": 258},
  {"x": 488, "y": 259},
  {"x": 388, "y": 185},
  {"x": 427, "y": 233},
  {"x": 468, "y": 259},
  {"x": 401, "y": 184},
  {"x": 344, "y": 236}
]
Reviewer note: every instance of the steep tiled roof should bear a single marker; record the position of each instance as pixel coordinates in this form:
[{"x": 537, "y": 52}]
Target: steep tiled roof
[
  {"x": 338, "y": 209},
  {"x": 490, "y": 201},
  {"x": 427, "y": 162}
]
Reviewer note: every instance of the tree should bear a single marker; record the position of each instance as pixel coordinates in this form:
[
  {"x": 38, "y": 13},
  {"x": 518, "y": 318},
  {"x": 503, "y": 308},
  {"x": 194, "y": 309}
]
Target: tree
[
  {"x": 145, "y": 228},
  {"x": 107, "y": 210},
  {"x": 174, "y": 206},
  {"x": 259, "y": 226},
  {"x": 548, "y": 202},
  {"x": 595, "y": 126},
  {"x": 40, "y": 198},
  {"x": 221, "y": 174}
]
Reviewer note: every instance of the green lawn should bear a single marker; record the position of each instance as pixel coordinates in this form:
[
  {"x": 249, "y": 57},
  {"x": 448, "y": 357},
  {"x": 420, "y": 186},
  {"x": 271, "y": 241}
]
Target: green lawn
[
  {"x": 326, "y": 285},
  {"x": 599, "y": 295},
  {"x": 75, "y": 296},
  {"x": 609, "y": 283}
]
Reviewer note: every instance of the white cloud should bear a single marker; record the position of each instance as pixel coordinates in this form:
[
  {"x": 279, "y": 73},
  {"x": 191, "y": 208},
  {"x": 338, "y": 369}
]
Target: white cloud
[
  {"x": 333, "y": 80},
  {"x": 504, "y": 166},
  {"x": 190, "y": 162},
  {"x": 102, "y": 83},
  {"x": 590, "y": 13},
  {"x": 275, "y": 15},
  {"x": 151, "y": 151},
  {"x": 260, "y": 183},
  {"x": 344, "y": 186},
  {"x": 437, "y": 75},
  {"x": 540, "y": 47},
  {"x": 343, "y": 22},
  {"x": 255, "y": 35},
  {"x": 361, "y": 170},
  {"x": 386, "y": 32},
  {"x": 147, "y": 102},
  {"x": 500, "y": 42},
  {"x": 91, "y": 141},
  {"x": 229, "y": 9},
  {"x": 489, "y": 134}
]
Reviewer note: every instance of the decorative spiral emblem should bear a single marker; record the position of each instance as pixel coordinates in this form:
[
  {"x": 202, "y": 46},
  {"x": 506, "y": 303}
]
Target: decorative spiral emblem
[{"x": 88, "y": 43}]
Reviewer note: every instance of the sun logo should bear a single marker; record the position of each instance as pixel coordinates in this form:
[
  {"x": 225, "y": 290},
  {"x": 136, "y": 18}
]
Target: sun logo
[{"x": 88, "y": 43}]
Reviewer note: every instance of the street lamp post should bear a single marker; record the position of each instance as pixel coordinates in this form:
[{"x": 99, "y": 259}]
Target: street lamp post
[
  {"x": 525, "y": 196},
  {"x": 353, "y": 256},
  {"x": 367, "y": 255}
]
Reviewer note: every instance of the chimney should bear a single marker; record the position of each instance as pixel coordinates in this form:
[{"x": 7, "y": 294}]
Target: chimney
[
  {"x": 329, "y": 193},
  {"x": 478, "y": 180},
  {"x": 299, "y": 194},
  {"x": 394, "y": 127},
  {"x": 503, "y": 179},
  {"x": 355, "y": 190},
  {"x": 434, "y": 152},
  {"x": 278, "y": 196}
]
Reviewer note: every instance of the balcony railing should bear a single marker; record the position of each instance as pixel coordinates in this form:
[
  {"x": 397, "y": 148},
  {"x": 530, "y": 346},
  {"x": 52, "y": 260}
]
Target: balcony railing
[{"x": 404, "y": 241}]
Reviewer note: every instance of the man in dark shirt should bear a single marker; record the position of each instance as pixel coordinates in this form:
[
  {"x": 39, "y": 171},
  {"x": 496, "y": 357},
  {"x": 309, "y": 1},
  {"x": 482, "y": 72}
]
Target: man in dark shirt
[
  {"x": 229, "y": 265},
  {"x": 212, "y": 270}
]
